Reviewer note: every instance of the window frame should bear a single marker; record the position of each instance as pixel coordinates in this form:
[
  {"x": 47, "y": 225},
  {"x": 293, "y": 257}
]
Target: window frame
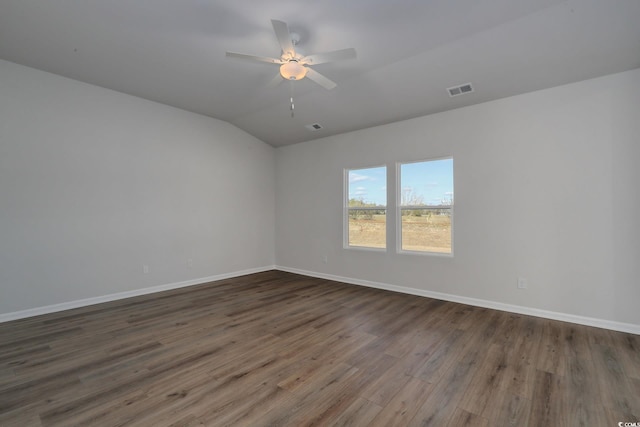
[
  {"x": 346, "y": 209},
  {"x": 400, "y": 208}
]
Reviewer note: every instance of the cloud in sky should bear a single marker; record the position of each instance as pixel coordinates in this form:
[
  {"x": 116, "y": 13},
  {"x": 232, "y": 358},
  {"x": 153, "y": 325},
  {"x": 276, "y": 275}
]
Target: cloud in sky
[
  {"x": 359, "y": 192},
  {"x": 355, "y": 177},
  {"x": 365, "y": 185}
]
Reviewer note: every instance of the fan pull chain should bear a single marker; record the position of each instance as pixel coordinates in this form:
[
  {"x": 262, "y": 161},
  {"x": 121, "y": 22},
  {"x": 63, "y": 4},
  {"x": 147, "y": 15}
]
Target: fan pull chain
[{"x": 292, "y": 106}]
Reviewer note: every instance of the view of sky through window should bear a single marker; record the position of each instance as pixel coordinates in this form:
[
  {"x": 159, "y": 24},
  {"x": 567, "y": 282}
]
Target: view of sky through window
[
  {"x": 370, "y": 185},
  {"x": 427, "y": 183}
]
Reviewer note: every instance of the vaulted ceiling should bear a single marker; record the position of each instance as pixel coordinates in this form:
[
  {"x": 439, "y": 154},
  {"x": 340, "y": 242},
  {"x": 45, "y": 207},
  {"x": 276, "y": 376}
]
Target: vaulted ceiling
[{"x": 408, "y": 53}]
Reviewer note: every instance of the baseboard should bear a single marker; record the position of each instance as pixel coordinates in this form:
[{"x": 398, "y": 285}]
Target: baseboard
[
  {"x": 6, "y": 317},
  {"x": 553, "y": 315}
]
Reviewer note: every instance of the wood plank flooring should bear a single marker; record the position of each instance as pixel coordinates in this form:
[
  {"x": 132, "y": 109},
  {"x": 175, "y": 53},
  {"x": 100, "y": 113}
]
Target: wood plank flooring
[{"x": 279, "y": 349}]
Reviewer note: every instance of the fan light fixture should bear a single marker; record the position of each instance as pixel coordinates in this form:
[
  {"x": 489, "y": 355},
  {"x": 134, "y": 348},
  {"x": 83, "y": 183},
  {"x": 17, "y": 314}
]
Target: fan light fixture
[{"x": 292, "y": 70}]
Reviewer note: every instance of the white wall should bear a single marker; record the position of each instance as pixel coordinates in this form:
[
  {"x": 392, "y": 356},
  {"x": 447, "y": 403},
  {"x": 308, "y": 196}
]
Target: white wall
[
  {"x": 546, "y": 187},
  {"x": 94, "y": 184}
]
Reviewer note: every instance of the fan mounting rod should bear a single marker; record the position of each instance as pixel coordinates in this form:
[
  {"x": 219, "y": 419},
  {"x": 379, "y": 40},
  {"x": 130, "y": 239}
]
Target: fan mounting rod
[{"x": 295, "y": 38}]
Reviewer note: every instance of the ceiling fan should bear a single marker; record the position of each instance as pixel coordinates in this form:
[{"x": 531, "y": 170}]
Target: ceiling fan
[{"x": 293, "y": 65}]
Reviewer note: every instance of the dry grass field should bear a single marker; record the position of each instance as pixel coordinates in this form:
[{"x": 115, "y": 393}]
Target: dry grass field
[{"x": 423, "y": 233}]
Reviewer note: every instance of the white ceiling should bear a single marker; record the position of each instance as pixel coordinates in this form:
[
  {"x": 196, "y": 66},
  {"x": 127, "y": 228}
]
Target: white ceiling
[{"x": 409, "y": 52}]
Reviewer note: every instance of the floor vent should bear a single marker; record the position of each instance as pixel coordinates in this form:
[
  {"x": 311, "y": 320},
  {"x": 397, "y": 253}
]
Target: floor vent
[
  {"x": 313, "y": 127},
  {"x": 460, "y": 90}
]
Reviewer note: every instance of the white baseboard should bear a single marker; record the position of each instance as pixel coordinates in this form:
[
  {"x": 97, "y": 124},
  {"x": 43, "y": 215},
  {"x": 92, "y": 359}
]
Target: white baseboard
[
  {"x": 564, "y": 317},
  {"x": 553, "y": 315},
  {"x": 6, "y": 317}
]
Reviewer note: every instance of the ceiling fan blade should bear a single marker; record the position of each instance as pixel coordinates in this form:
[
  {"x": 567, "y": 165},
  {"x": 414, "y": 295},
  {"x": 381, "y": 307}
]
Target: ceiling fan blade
[
  {"x": 277, "y": 79},
  {"x": 253, "y": 58},
  {"x": 284, "y": 37},
  {"x": 336, "y": 55},
  {"x": 320, "y": 79}
]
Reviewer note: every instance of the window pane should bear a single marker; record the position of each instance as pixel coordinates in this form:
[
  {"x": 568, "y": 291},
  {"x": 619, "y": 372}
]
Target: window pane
[
  {"x": 427, "y": 187},
  {"x": 426, "y": 230},
  {"x": 366, "y": 207},
  {"x": 368, "y": 228}
]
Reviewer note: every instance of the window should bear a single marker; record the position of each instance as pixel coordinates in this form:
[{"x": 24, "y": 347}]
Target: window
[
  {"x": 425, "y": 199},
  {"x": 366, "y": 207}
]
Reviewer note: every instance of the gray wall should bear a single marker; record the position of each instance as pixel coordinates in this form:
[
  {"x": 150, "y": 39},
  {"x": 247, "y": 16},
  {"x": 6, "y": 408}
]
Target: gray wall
[
  {"x": 546, "y": 187},
  {"x": 94, "y": 184}
]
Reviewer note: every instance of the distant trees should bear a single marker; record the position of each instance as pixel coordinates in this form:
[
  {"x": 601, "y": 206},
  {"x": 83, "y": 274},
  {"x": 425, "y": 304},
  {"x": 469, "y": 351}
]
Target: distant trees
[
  {"x": 366, "y": 210},
  {"x": 358, "y": 203},
  {"x": 411, "y": 204},
  {"x": 409, "y": 197}
]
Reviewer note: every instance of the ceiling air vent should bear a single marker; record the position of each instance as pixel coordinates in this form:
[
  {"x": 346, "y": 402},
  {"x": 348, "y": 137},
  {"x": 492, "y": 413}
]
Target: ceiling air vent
[
  {"x": 460, "y": 90},
  {"x": 313, "y": 127}
]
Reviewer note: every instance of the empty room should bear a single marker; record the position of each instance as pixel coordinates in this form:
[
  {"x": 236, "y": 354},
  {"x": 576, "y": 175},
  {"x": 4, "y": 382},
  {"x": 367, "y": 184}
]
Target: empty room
[{"x": 337, "y": 213}]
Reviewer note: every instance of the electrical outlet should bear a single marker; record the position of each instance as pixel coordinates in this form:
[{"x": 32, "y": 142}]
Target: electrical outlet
[
  {"x": 190, "y": 263},
  {"x": 522, "y": 283},
  {"x": 145, "y": 269},
  {"x": 325, "y": 259}
]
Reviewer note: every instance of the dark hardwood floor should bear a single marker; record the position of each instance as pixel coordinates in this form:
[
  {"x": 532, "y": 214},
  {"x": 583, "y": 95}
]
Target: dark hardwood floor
[{"x": 278, "y": 349}]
